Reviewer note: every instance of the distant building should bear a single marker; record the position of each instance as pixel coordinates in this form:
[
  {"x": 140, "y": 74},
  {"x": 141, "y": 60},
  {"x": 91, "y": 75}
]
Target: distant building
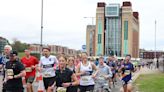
[
  {"x": 150, "y": 54},
  {"x": 100, "y": 29},
  {"x": 90, "y": 39},
  {"x": 117, "y": 30},
  {"x": 130, "y": 30},
  {"x": 55, "y": 49},
  {"x": 3, "y": 42},
  {"x": 113, "y": 30}
]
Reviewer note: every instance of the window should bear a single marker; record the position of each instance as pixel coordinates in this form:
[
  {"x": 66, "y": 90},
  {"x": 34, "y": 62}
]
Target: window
[
  {"x": 125, "y": 30},
  {"x": 99, "y": 38}
]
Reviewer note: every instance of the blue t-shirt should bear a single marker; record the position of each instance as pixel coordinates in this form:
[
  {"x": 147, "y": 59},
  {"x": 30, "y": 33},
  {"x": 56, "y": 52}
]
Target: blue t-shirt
[
  {"x": 128, "y": 68},
  {"x": 1, "y": 58}
]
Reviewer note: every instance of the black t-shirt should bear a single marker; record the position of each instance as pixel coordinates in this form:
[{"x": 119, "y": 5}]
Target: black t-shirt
[
  {"x": 64, "y": 77},
  {"x": 16, "y": 67}
]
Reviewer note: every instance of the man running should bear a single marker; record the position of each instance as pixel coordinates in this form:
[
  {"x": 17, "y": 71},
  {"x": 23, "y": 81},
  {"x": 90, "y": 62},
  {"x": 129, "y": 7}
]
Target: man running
[
  {"x": 14, "y": 72},
  {"x": 126, "y": 70},
  {"x": 103, "y": 75},
  {"x": 46, "y": 64},
  {"x": 30, "y": 63},
  {"x": 3, "y": 61}
]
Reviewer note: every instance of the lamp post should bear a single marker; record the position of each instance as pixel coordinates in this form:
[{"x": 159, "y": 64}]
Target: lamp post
[
  {"x": 155, "y": 41},
  {"x": 41, "y": 35},
  {"x": 92, "y": 19}
]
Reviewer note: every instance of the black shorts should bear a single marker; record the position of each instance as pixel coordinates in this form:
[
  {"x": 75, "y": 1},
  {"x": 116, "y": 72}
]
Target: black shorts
[
  {"x": 30, "y": 79},
  {"x": 48, "y": 82},
  {"x": 86, "y": 88}
]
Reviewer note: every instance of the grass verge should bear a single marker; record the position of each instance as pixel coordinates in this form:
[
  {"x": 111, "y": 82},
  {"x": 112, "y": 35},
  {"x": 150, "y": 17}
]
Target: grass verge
[{"x": 150, "y": 83}]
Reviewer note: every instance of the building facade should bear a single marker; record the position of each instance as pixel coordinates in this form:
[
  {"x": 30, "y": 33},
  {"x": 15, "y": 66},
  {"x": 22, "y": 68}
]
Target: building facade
[
  {"x": 90, "y": 41},
  {"x": 117, "y": 30},
  {"x": 130, "y": 30},
  {"x": 149, "y": 54},
  {"x": 100, "y": 29},
  {"x": 113, "y": 30},
  {"x": 55, "y": 49}
]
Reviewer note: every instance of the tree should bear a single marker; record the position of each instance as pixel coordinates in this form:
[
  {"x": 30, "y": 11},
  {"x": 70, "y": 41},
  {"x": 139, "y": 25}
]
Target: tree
[{"x": 19, "y": 46}]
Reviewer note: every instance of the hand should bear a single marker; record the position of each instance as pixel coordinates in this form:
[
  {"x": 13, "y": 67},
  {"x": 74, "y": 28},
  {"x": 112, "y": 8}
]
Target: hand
[
  {"x": 94, "y": 76},
  {"x": 66, "y": 85},
  {"x": 9, "y": 77},
  {"x": 32, "y": 67},
  {"x": 105, "y": 76},
  {"x": 39, "y": 69}
]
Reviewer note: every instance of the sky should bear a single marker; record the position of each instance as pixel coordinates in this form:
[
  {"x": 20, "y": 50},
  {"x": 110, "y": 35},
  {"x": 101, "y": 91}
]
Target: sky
[{"x": 64, "y": 22}]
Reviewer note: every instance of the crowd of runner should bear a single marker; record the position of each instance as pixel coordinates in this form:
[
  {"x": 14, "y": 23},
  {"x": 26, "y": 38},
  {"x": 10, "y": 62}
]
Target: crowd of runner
[{"x": 65, "y": 73}]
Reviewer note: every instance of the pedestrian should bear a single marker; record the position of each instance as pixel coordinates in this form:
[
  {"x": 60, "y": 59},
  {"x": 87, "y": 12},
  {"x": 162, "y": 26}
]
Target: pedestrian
[
  {"x": 4, "y": 59},
  {"x": 30, "y": 64},
  {"x": 14, "y": 73},
  {"x": 126, "y": 70},
  {"x": 85, "y": 70},
  {"x": 46, "y": 67},
  {"x": 65, "y": 77}
]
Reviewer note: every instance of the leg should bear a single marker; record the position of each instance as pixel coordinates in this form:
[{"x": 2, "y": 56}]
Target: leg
[
  {"x": 29, "y": 83},
  {"x": 129, "y": 87},
  {"x": 125, "y": 87}
]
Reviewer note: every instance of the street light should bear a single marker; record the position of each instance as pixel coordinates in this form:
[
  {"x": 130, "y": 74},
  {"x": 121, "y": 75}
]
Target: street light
[
  {"x": 92, "y": 19},
  {"x": 41, "y": 37}
]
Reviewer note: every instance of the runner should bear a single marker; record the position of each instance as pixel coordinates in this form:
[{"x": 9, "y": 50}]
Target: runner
[
  {"x": 30, "y": 63},
  {"x": 71, "y": 63},
  {"x": 111, "y": 63},
  {"x": 126, "y": 70},
  {"x": 85, "y": 70},
  {"x": 46, "y": 66},
  {"x": 65, "y": 78},
  {"x": 3, "y": 61},
  {"x": 14, "y": 73},
  {"x": 103, "y": 75}
]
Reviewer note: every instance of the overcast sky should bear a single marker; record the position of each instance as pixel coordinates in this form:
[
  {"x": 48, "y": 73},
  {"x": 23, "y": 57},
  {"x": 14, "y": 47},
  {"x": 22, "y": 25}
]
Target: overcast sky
[{"x": 64, "y": 22}]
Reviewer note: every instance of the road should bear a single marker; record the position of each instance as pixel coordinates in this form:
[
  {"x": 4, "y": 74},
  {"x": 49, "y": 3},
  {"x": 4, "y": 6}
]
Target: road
[{"x": 35, "y": 85}]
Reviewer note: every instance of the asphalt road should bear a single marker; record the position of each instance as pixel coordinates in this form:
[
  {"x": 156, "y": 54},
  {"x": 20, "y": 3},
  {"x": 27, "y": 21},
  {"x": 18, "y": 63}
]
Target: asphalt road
[{"x": 35, "y": 86}]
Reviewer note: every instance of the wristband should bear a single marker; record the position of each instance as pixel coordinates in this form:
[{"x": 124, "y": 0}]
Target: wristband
[{"x": 70, "y": 84}]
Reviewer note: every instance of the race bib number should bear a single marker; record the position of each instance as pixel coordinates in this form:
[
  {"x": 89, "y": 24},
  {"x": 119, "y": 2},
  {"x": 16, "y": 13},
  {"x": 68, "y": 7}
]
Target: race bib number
[
  {"x": 61, "y": 89},
  {"x": 28, "y": 69},
  {"x": 47, "y": 74},
  {"x": 127, "y": 72},
  {"x": 85, "y": 78},
  {"x": 9, "y": 72}
]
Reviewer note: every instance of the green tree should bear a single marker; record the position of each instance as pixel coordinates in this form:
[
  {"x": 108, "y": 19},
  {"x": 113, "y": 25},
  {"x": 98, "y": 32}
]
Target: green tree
[{"x": 19, "y": 46}]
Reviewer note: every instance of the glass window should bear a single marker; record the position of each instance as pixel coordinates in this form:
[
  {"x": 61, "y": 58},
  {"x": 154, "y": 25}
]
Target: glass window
[{"x": 99, "y": 38}]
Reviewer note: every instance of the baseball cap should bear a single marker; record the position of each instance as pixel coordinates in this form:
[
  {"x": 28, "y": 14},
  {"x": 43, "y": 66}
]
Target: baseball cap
[{"x": 13, "y": 53}]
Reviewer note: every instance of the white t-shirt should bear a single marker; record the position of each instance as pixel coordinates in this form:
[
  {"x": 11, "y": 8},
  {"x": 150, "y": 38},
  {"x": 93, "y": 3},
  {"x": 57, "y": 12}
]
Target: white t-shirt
[{"x": 48, "y": 65}]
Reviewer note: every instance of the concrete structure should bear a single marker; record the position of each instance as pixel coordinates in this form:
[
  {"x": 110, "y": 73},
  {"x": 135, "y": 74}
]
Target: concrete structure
[
  {"x": 113, "y": 30},
  {"x": 100, "y": 29},
  {"x": 149, "y": 54},
  {"x": 3, "y": 42},
  {"x": 117, "y": 30},
  {"x": 130, "y": 31},
  {"x": 90, "y": 41},
  {"x": 55, "y": 49}
]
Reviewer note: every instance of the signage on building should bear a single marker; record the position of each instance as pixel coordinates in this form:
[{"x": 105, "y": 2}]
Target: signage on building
[{"x": 84, "y": 47}]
